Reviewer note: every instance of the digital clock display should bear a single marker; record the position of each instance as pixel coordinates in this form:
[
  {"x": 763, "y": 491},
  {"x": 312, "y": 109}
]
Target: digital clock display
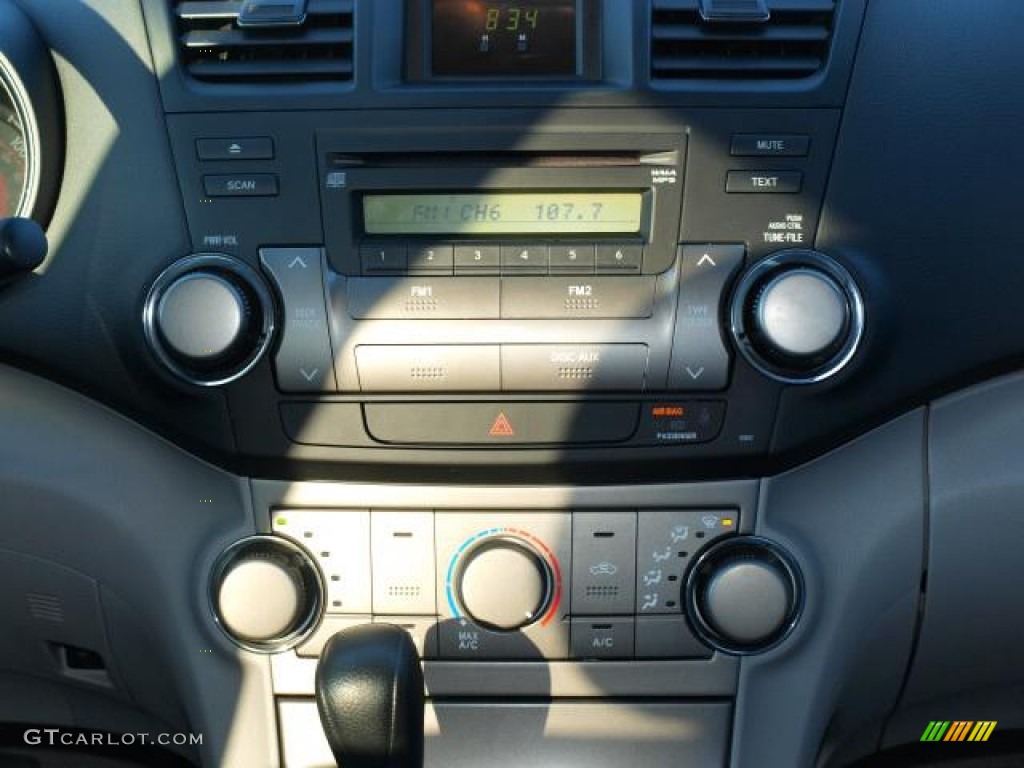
[
  {"x": 505, "y": 213},
  {"x": 506, "y": 38}
]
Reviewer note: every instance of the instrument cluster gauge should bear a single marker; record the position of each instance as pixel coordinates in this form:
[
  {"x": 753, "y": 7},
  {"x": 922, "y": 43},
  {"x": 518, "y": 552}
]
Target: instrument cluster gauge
[
  {"x": 31, "y": 140},
  {"x": 17, "y": 193}
]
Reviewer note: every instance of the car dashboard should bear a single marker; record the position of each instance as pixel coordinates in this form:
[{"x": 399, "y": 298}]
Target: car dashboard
[{"x": 650, "y": 363}]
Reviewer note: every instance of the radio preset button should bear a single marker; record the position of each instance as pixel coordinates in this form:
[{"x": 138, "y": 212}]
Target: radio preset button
[
  {"x": 573, "y": 367},
  {"x": 427, "y": 368},
  {"x": 425, "y": 298},
  {"x": 431, "y": 258},
  {"x": 568, "y": 298},
  {"x": 619, "y": 258},
  {"x": 572, "y": 258},
  {"x": 525, "y": 259},
  {"x": 477, "y": 259},
  {"x": 383, "y": 257}
]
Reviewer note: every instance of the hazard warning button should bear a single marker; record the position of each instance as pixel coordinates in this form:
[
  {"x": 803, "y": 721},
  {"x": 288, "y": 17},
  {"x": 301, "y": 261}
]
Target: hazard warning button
[
  {"x": 502, "y": 427},
  {"x": 501, "y": 423}
]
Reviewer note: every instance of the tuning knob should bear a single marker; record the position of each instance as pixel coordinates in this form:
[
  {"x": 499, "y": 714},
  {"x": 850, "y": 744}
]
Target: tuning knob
[
  {"x": 504, "y": 585},
  {"x": 744, "y": 594},
  {"x": 208, "y": 319},
  {"x": 267, "y": 593},
  {"x": 798, "y": 317}
]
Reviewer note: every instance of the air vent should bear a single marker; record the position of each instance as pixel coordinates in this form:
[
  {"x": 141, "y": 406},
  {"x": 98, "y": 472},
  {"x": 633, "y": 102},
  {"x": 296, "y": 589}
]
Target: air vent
[
  {"x": 215, "y": 48},
  {"x": 792, "y": 44}
]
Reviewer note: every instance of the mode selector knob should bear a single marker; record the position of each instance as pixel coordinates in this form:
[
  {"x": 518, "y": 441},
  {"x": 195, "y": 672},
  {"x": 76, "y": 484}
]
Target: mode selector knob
[
  {"x": 798, "y": 316},
  {"x": 208, "y": 319},
  {"x": 743, "y": 595},
  {"x": 503, "y": 584}
]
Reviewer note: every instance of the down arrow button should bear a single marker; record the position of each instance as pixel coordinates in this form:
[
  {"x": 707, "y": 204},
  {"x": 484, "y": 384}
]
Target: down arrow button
[{"x": 700, "y": 359}]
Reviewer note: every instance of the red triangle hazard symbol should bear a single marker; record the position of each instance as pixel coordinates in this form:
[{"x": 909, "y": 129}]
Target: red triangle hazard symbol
[{"x": 502, "y": 427}]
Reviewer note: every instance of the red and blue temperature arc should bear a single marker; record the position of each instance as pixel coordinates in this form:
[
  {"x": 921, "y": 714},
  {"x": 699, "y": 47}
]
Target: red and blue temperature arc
[{"x": 548, "y": 555}]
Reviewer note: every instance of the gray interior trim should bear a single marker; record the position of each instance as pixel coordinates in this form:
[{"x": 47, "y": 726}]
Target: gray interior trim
[
  {"x": 854, "y": 522},
  {"x": 972, "y": 612},
  {"x": 86, "y": 488}
]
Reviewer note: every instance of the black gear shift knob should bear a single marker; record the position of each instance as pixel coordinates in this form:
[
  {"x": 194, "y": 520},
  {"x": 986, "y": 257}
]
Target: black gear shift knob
[{"x": 369, "y": 692}]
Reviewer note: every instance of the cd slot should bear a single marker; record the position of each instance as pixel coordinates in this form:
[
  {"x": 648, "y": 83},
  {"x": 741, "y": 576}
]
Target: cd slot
[{"x": 519, "y": 159}]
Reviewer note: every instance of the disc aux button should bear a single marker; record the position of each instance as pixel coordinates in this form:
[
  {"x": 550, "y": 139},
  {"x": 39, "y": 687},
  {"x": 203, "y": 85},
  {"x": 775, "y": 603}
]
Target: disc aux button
[{"x": 573, "y": 367}]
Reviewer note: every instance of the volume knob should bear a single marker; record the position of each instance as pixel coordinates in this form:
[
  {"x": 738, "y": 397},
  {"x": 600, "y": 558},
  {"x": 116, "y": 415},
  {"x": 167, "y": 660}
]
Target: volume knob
[
  {"x": 504, "y": 584},
  {"x": 208, "y": 319},
  {"x": 202, "y": 317}
]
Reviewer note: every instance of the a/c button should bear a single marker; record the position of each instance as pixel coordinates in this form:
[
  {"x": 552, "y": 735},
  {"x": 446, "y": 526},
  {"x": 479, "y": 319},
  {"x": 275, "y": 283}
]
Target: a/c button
[{"x": 602, "y": 638}]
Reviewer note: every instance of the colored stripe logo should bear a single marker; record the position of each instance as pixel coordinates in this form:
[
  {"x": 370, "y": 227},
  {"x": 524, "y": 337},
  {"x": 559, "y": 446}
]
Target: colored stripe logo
[{"x": 959, "y": 730}]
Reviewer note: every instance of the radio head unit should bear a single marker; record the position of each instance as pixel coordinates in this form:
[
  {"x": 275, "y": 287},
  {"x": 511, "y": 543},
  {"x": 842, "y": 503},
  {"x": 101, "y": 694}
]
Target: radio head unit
[{"x": 562, "y": 191}]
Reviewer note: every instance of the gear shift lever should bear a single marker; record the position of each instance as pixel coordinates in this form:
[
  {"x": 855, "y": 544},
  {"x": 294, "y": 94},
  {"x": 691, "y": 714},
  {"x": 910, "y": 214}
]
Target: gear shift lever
[{"x": 369, "y": 692}]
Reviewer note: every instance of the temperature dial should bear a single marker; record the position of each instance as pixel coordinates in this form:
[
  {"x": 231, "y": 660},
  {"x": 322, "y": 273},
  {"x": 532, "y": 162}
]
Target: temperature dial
[{"x": 504, "y": 584}]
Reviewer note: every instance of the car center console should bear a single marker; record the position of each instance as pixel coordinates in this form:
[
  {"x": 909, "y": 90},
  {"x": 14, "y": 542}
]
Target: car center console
[
  {"x": 496, "y": 322},
  {"x": 490, "y": 260}
]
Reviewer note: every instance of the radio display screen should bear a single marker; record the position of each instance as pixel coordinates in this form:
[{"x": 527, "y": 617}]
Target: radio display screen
[
  {"x": 507, "y": 38},
  {"x": 504, "y": 213}
]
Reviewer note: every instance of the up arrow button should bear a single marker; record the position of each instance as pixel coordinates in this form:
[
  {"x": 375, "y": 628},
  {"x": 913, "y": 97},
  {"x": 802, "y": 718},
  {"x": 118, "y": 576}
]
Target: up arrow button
[
  {"x": 700, "y": 359},
  {"x": 303, "y": 361}
]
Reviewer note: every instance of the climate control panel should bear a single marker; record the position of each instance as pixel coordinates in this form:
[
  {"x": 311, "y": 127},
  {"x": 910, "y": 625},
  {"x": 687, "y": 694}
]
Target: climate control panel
[{"x": 608, "y": 584}]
